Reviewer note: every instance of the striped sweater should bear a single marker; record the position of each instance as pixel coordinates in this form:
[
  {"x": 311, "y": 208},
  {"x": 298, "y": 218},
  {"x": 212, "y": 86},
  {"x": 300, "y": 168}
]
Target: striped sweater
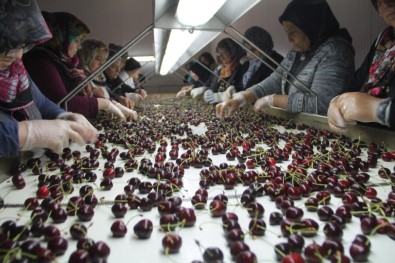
[{"x": 327, "y": 74}]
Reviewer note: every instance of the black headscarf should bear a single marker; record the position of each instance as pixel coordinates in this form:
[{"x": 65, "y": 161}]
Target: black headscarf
[
  {"x": 21, "y": 22},
  {"x": 315, "y": 18},
  {"x": 200, "y": 71}
]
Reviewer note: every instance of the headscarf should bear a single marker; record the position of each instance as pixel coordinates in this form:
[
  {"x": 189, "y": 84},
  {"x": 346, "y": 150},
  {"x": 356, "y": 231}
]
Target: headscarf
[
  {"x": 382, "y": 68},
  {"x": 200, "y": 71},
  {"x": 315, "y": 18},
  {"x": 65, "y": 28},
  {"x": 20, "y": 24},
  {"x": 235, "y": 51},
  {"x": 260, "y": 38}
]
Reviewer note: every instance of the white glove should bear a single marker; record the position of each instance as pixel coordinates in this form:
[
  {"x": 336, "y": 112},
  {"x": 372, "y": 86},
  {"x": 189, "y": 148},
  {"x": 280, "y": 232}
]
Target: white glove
[
  {"x": 126, "y": 111},
  {"x": 263, "y": 103},
  {"x": 142, "y": 93},
  {"x": 181, "y": 94},
  {"x": 90, "y": 132},
  {"x": 52, "y": 134},
  {"x": 112, "y": 109},
  {"x": 133, "y": 96},
  {"x": 196, "y": 92}
]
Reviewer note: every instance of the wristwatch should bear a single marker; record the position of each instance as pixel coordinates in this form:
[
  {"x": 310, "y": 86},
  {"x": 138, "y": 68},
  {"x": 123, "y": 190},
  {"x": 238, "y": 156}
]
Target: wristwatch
[{"x": 383, "y": 110}]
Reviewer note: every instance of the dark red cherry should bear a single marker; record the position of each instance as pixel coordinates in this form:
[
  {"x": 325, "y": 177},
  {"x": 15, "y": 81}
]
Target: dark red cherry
[{"x": 143, "y": 229}]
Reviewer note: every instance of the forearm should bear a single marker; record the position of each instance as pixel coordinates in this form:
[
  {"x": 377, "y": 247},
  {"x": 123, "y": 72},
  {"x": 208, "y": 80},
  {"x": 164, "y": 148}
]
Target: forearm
[{"x": 9, "y": 138}]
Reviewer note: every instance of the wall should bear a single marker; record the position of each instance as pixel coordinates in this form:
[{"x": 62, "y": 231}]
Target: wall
[{"x": 119, "y": 21}]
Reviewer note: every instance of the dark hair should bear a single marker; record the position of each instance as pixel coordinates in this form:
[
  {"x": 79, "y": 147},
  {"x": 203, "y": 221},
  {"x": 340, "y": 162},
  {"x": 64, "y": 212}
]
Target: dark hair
[
  {"x": 208, "y": 57},
  {"x": 314, "y": 18},
  {"x": 235, "y": 51},
  {"x": 260, "y": 37},
  {"x": 374, "y": 3}
]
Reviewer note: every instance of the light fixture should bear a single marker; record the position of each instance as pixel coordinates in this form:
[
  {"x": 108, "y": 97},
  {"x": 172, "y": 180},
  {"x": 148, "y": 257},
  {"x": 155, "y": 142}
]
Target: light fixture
[
  {"x": 144, "y": 58},
  {"x": 179, "y": 42},
  {"x": 174, "y": 44},
  {"x": 197, "y": 12}
]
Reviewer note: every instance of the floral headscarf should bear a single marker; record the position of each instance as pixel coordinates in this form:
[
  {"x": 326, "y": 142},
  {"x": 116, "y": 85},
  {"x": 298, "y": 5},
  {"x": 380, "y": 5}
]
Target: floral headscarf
[
  {"x": 382, "y": 68},
  {"x": 21, "y": 23},
  {"x": 65, "y": 28}
]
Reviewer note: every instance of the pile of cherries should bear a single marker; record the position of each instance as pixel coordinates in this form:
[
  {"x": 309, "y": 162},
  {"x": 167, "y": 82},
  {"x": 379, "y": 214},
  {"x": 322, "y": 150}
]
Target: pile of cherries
[{"x": 300, "y": 165}]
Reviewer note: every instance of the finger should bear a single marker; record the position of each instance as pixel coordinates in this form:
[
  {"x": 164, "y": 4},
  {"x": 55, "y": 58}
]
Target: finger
[
  {"x": 75, "y": 137},
  {"x": 218, "y": 110},
  {"x": 231, "y": 110}
]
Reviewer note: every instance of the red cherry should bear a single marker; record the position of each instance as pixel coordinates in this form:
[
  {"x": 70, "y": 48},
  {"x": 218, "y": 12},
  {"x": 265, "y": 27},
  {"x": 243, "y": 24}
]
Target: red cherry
[
  {"x": 171, "y": 243},
  {"x": 42, "y": 192}
]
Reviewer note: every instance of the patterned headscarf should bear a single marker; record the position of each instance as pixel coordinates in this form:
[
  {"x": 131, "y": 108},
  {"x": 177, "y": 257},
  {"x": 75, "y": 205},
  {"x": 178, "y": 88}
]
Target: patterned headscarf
[
  {"x": 21, "y": 23},
  {"x": 382, "y": 68},
  {"x": 65, "y": 28}
]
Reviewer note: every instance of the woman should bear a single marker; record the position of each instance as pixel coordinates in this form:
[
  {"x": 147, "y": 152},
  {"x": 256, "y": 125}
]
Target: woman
[
  {"x": 322, "y": 58},
  {"x": 256, "y": 71},
  {"x": 28, "y": 120},
  {"x": 374, "y": 81},
  {"x": 53, "y": 66},
  {"x": 199, "y": 76},
  {"x": 92, "y": 55},
  {"x": 130, "y": 76},
  {"x": 229, "y": 74}
]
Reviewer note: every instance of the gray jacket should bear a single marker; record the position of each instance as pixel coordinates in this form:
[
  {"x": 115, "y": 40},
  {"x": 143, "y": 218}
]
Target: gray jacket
[{"x": 327, "y": 74}]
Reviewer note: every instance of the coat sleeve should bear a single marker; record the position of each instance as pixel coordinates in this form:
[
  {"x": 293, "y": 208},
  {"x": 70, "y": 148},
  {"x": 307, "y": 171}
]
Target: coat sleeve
[
  {"x": 47, "y": 108},
  {"x": 9, "y": 141},
  {"x": 331, "y": 76},
  {"x": 49, "y": 80}
]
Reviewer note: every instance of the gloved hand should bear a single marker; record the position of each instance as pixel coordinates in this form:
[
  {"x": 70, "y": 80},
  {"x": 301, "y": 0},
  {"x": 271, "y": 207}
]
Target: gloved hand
[
  {"x": 128, "y": 103},
  {"x": 112, "y": 109},
  {"x": 230, "y": 106},
  {"x": 142, "y": 93},
  {"x": 196, "y": 92},
  {"x": 263, "y": 103},
  {"x": 133, "y": 96},
  {"x": 181, "y": 94},
  {"x": 127, "y": 112},
  {"x": 52, "y": 134},
  {"x": 89, "y": 132}
]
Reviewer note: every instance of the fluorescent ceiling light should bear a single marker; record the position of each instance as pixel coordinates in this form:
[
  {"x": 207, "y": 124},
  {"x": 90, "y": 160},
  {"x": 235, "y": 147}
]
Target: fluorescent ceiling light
[
  {"x": 178, "y": 44},
  {"x": 144, "y": 58},
  {"x": 197, "y": 12}
]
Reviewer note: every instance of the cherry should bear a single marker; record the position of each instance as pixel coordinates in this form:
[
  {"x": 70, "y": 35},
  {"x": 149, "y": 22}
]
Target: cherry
[
  {"x": 58, "y": 245},
  {"x": 257, "y": 227},
  {"x": 359, "y": 252},
  {"x": 186, "y": 217},
  {"x": 213, "y": 255},
  {"x": 18, "y": 181},
  {"x": 333, "y": 231},
  {"x": 118, "y": 229},
  {"x": 99, "y": 251},
  {"x": 324, "y": 213},
  {"x": 85, "y": 213},
  {"x": 255, "y": 210},
  {"x": 296, "y": 243},
  {"x": 30, "y": 203},
  {"x": 275, "y": 218},
  {"x": 171, "y": 243},
  {"x": 246, "y": 257},
  {"x": 294, "y": 213},
  {"x": 293, "y": 258},
  {"x": 119, "y": 210},
  {"x": 235, "y": 234},
  {"x": 217, "y": 208},
  {"x": 78, "y": 231},
  {"x": 143, "y": 229},
  {"x": 330, "y": 247},
  {"x": 168, "y": 222},
  {"x": 281, "y": 249},
  {"x": 237, "y": 247}
]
